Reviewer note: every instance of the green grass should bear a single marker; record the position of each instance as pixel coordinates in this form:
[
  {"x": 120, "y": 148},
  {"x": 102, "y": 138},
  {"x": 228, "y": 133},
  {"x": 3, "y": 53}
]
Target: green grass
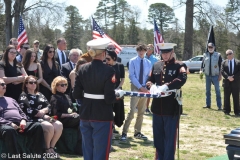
[{"x": 201, "y": 130}]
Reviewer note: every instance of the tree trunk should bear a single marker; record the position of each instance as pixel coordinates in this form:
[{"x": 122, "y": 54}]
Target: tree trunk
[
  {"x": 8, "y": 16},
  {"x": 18, "y": 10},
  {"x": 188, "y": 38}
]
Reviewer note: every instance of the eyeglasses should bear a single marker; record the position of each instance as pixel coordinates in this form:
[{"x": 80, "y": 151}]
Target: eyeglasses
[
  {"x": 210, "y": 47},
  {"x": 229, "y": 54},
  {"x": 50, "y": 51},
  {"x": 32, "y": 82},
  {"x": 25, "y": 48},
  {"x": 3, "y": 84},
  {"x": 111, "y": 49},
  {"x": 62, "y": 85},
  {"x": 13, "y": 52},
  {"x": 108, "y": 59},
  {"x": 150, "y": 48}
]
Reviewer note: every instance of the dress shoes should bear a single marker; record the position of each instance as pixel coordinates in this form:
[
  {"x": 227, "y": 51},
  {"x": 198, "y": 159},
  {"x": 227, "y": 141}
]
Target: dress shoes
[
  {"x": 207, "y": 107},
  {"x": 227, "y": 114}
]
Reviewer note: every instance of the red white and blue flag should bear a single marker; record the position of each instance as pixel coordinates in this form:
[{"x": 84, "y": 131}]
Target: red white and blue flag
[
  {"x": 99, "y": 33},
  {"x": 157, "y": 38},
  {"x": 22, "y": 34}
]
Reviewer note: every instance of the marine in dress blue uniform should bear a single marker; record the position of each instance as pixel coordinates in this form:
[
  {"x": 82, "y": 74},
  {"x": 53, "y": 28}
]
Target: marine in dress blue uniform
[
  {"x": 95, "y": 84},
  {"x": 168, "y": 74}
]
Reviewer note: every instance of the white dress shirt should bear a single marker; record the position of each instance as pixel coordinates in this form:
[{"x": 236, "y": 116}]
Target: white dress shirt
[{"x": 231, "y": 61}]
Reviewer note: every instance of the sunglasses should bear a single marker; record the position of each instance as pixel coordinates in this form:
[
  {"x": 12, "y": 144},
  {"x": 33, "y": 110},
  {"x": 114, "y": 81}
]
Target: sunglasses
[
  {"x": 210, "y": 47},
  {"x": 3, "y": 84},
  {"x": 149, "y": 48},
  {"x": 32, "y": 82},
  {"x": 62, "y": 85},
  {"x": 111, "y": 49},
  {"x": 25, "y": 48},
  {"x": 13, "y": 52},
  {"x": 50, "y": 51},
  {"x": 229, "y": 54},
  {"x": 108, "y": 59}
]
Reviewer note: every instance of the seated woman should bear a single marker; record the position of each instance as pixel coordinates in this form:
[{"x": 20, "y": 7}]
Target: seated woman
[
  {"x": 72, "y": 75},
  {"x": 62, "y": 105},
  {"x": 36, "y": 107}
]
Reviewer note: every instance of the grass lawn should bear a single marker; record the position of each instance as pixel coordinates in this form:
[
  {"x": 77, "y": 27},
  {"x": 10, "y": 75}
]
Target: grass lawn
[{"x": 201, "y": 130}]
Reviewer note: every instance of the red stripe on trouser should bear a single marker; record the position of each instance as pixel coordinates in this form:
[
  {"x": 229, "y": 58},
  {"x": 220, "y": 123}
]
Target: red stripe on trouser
[
  {"x": 109, "y": 141},
  {"x": 156, "y": 155}
]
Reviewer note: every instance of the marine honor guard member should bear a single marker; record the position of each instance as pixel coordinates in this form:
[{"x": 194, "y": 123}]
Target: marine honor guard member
[
  {"x": 168, "y": 74},
  {"x": 95, "y": 84}
]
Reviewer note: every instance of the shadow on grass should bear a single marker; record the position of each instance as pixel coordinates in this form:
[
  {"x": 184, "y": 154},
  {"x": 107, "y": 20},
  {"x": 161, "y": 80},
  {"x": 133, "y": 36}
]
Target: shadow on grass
[{"x": 130, "y": 142}]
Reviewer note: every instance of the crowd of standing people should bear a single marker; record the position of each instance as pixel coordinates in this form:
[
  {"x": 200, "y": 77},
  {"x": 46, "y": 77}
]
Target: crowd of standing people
[{"x": 40, "y": 89}]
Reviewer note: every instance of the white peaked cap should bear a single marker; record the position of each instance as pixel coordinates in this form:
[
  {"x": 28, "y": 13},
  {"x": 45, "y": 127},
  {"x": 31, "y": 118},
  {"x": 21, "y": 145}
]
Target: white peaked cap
[
  {"x": 100, "y": 43},
  {"x": 166, "y": 46}
]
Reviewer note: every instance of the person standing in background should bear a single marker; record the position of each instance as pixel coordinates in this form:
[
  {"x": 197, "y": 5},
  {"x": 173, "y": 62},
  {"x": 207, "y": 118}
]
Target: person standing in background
[
  {"x": 230, "y": 70},
  {"x": 36, "y": 49},
  {"x": 153, "y": 59},
  {"x": 61, "y": 53},
  {"x": 211, "y": 66}
]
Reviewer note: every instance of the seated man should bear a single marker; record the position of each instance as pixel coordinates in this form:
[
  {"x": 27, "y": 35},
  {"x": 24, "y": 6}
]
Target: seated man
[{"x": 13, "y": 121}]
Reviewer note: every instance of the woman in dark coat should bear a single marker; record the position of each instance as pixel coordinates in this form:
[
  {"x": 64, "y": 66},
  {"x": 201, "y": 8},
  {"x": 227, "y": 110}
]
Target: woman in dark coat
[
  {"x": 12, "y": 73},
  {"x": 118, "y": 107},
  {"x": 50, "y": 69}
]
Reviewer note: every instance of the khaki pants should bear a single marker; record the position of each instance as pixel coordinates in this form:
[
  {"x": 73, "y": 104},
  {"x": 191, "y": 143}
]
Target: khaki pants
[{"x": 140, "y": 103}]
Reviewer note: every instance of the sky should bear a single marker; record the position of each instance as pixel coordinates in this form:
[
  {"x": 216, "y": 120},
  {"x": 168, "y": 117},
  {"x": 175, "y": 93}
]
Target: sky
[{"x": 88, "y": 7}]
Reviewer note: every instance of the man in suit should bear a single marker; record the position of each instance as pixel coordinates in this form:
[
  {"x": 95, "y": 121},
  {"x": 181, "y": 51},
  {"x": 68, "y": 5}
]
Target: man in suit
[
  {"x": 61, "y": 53},
  {"x": 111, "y": 47},
  {"x": 230, "y": 70},
  {"x": 69, "y": 66}
]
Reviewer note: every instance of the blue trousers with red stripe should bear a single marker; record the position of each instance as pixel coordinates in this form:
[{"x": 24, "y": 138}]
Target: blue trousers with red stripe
[
  {"x": 96, "y": 139},
  {"x": 164, "y": 136}
]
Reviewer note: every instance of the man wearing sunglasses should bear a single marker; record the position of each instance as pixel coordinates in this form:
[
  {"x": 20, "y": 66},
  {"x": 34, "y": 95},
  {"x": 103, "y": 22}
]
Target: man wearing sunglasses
[
  {"x": 230, "y": 70},
  {"x": 211, "y": 66},
  {"x": 23, "y": 48},
  {"x": 168, "y": 74}
]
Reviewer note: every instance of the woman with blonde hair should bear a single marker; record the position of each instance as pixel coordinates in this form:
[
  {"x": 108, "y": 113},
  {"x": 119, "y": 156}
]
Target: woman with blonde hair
[{"x": 62, "y": 106}]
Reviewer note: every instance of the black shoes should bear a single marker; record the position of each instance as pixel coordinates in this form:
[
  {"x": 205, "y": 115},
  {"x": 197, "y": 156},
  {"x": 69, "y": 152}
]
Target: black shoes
[
  {"x": 207, "y": 107},
  {"x": 227, "y": 114}
]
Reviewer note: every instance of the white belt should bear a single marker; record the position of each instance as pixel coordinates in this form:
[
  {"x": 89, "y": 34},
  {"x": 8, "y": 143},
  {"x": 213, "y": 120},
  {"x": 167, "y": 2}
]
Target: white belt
[{"x": 94, "y": 96}]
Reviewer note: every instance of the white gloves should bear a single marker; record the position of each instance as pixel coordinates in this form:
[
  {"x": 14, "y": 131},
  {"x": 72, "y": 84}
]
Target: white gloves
[
  {"x": 119, "y": 93},
  {"x": 163, "y": 88},
  {"x": 158, "y": 89}
]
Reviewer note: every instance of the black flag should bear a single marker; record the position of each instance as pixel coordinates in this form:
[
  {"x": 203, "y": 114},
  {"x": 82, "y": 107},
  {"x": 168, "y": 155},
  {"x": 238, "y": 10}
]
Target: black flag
[{"x": 211, "y": 38}]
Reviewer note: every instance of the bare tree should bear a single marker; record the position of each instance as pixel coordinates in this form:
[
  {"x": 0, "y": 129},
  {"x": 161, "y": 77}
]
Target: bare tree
[{"x": 19, "y": 7}]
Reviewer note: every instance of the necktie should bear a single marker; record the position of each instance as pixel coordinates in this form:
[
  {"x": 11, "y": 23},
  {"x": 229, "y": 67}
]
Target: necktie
[
  {"x": 230, "y": 67},
  {"x": 141, "y": 72},
  {"x": 74, "y": 65},
  {"x": 63, "y": 58}
]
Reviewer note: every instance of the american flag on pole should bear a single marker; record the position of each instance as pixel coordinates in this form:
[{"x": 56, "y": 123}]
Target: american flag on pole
[
  {"x": 98, "y": 33},
  {"x": 22, "y": 34},
  {"x": 157, "y": 38}
]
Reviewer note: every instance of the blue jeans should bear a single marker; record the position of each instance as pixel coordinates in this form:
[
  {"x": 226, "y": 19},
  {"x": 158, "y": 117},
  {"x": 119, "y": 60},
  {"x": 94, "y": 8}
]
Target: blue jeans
[{"x": 209, "y": 81}]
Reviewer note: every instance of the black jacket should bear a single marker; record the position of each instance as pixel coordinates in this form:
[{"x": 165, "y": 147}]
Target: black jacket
[
  {"x": 95, "y": 78},
  {"x": 65, "y": 71},
  {"x": 225, "y": 72},
  {"x": 167, "y": 73}
]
